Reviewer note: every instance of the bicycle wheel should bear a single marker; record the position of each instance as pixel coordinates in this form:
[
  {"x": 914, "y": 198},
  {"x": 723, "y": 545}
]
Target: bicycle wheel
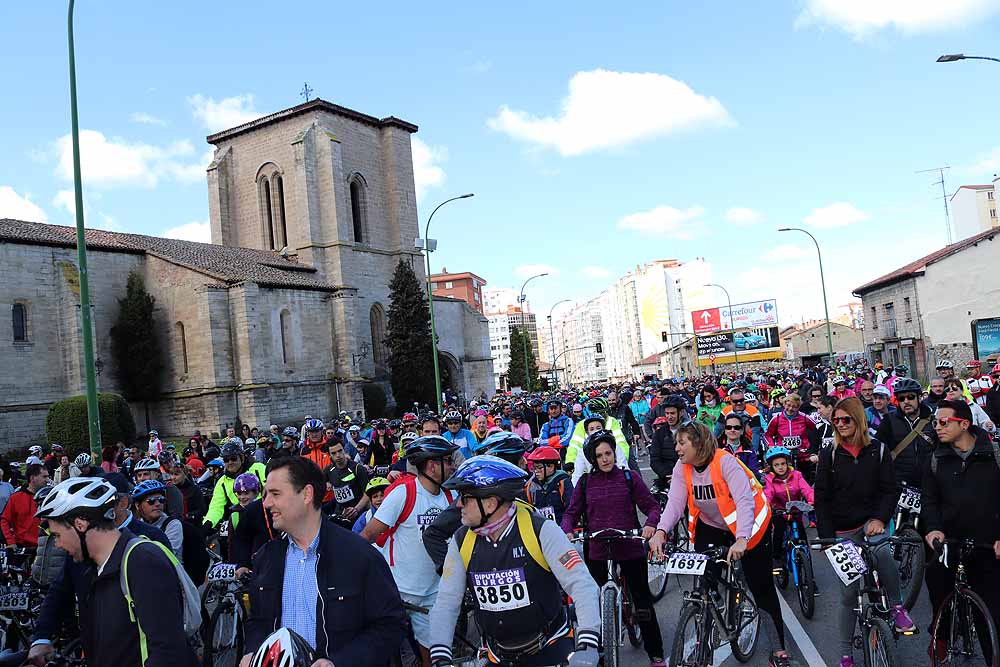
[
  {"x": 976, "y": 632},
  {"x": 224, "y": 637},
  {"x": 910, "y": 560},
  {"x": 691, "y": 647},
  {"x": 609, "y": 626},
  {"x": 743, "y": 614},
  {"x": 807, "y": 584},
  {"x": 879, "y": 645},
  {"x": 657, "y": 576}
]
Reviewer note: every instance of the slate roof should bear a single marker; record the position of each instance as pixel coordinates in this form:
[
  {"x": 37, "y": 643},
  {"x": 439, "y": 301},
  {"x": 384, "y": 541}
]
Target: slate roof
[
  {"x": 225, "y": 264},
  {"x": 918, "y": 266}
]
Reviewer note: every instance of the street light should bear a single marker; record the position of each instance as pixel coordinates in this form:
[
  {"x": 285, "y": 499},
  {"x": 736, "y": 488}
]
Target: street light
[
  {"x": 429, "y": 247},
  {"x": 732, "y": 327},
  {"x": 822, "y": 281},
  {"x": 552, "y": 339},
  {"x": 524, "y": 321},
  {"x": 90, "y": 374},
  {"x": 950, "y": 58}
]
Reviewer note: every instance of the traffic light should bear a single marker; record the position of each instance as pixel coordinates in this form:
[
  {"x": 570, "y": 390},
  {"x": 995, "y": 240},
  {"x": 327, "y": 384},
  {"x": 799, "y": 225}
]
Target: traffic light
[
  {"x": 664, "y": 337},
  {"x": 597, "y": 348}
]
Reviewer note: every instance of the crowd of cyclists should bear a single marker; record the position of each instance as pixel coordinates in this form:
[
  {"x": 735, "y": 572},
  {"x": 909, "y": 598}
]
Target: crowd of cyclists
[{"x": 478, "y": 514}]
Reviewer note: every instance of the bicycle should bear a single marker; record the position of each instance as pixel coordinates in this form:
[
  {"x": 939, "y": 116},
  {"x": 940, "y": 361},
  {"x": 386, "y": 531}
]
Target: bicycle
[
  {"x": 224, "y": 604},
  {"x": 707, "y": 619},
  {"x": 678, "y": 536},
  {"x": 69, "y": 656},
  {"x": 910, "y": 559},
  {"x": 975, "y": 628},
  {"x": 852, "y": 561},
  {"x": 468, "y": 648},
  {"x": 798, "y": 557}
]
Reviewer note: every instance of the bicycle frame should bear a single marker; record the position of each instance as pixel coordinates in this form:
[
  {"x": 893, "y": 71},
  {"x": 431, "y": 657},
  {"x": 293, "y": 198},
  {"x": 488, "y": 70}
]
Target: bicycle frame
[
  {"x": 794, "y": 541},
  {"x": 719, "y": 611}
]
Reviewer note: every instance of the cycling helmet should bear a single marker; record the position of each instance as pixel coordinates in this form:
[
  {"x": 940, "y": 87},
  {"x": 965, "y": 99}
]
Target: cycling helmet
[
  {"x": 903, "y": 369},
  {"x": 593, "y": 440},
  {"x": 882, "y": 390},
  {"x": 599, "y": 405},
  {"x": 312, "y": 425},
  {"x": 246, "y": 482},
  {"x": 290, "y": 432},
  {"x": 216, "y": 462},
  {"x": 674, "y": 401},
  {"x": 41, "y": 493},
  {"x": 354, "y": 428},
  {"x": 554, "y": 402},
  {"x": 429, "y": 447},
  {"x": 487, "y": 475},
  {"x": 87, "y": 497},
  {"x": 975, "y": 363},
  {"x": 777, "y": 393},
  {"x": 777, "y": 452},
  {"x": 233, "y": 447},
  {"x": 944, "y": 363},
  {"x": 907, "y": 386},
  {"x": 146, "y": 465},
  {"x": 284, "y": 648},
  {"x": 544, "y": 454},
  {"x": 150, "y": 486},
  {"x": 394, "y": 424},
  {"x": 35, "y": 450},
  {"x": 839, "y": 380},
  {"x": 376, "y": 484},
  {"x": 577, "y": 408},
  {"x": 534, "y": 403},
  {"x": 996, "y": 368},
  {"x": 452, "y": 416},
  {"x": 166, "y": 458},
  {"x": 660, "y": 421},
  {"x": 504, "y": 444},
  {"x": 593, "y": 418},
  {"x": 83, "y": 460},
  {"x": 56, "y": 447},
  {"x": 409, "y": 417}
]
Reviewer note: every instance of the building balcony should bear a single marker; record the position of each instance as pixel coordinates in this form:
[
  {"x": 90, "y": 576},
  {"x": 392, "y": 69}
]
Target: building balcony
[{"x": 887, "y": 329}]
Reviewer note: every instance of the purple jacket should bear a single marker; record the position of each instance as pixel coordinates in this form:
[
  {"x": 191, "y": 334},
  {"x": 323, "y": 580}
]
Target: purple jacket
[{"x": 610, "y": 505}]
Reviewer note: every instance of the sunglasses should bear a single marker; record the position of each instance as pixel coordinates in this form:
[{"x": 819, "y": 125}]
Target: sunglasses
[
  {"x": 230, "y": 459},
  {"x": 943, "y": 421},
  {"x": 906, "y": 397},
  {"x": 843, "y": 420},
  {"x": 156, "y": 500},
  {"x": 739, "y": 400},
  {"x": 734, "y": 428},
  {"x": 816, "y": 395}
]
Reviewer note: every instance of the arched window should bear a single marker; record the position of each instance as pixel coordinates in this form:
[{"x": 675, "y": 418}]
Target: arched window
[
  {"x": 19, "y": 318},
  {"x": 358, "y": 207},
  {"x": 377, "y": 321},
  {"x": 286, "y": 336},
  {"x": 279, "y": 186},
  {"x": 182, "y": 347},
  {"x": 267, "y": 213}
]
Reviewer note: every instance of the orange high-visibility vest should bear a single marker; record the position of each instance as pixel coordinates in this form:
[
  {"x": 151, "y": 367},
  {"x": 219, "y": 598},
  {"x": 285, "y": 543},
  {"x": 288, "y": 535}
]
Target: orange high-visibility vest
[{"x": 727, "y": 506}]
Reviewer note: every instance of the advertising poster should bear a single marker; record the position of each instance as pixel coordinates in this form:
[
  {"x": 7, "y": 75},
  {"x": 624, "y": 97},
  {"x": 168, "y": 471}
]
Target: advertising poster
[
  {"x": 755, "y": 344},
  {"x": 986, "y": 337}
]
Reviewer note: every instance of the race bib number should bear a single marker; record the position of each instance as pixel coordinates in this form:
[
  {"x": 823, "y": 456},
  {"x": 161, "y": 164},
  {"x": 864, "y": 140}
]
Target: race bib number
[
  {"x": 224, "y": 529},
  {"x": 685, "y": 562},
  {"x": 910, "y": 500},
  {"x": 800, "y": 506},
  {"x": 14, "y": 601},
  {"x": 827, "y": 442},
  {"x": 343, "y": 494},
  {"x": 791, "y": 441},
  {"x": 222, "y": 572},
  {"x": 847, "y": 562},
  {"x": 381, "y": 471},
  {"x": 547, "y": 512},
  {"x": 501, "y": 590},
  {"x": 3, "y": 560}
]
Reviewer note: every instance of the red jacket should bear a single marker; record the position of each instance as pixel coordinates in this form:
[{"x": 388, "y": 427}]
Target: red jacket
[{"x": 20, "y": 527}]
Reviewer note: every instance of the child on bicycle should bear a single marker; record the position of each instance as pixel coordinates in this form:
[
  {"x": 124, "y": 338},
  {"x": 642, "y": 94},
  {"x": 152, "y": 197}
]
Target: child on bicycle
[{"x": 783, "y": 484}]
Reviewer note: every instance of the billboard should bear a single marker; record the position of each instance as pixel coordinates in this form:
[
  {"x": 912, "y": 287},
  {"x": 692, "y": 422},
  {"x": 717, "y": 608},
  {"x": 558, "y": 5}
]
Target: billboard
[
  {"x": 754, "y": 314},
  {"x": 986, "y": 337},
  {"x": 753, "y": 344}
]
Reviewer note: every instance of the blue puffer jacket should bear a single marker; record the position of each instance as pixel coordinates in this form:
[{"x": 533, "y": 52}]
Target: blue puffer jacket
[{"x": 561, "y": 426}]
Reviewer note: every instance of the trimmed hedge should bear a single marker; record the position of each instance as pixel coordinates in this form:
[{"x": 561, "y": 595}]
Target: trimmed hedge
[
  {"x": 66, "y": 422},
  {"x": 375, "y": 400}
]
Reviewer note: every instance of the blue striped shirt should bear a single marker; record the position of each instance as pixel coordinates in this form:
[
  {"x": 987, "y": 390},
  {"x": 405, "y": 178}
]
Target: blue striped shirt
[{"x": 299, "y": 590}]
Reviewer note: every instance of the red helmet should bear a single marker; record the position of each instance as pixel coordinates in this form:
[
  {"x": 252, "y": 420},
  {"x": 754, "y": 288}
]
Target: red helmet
[
  {"x": 659, "y": 420},
  {"x": 996, "y": 368},
  {"x": 975, "y": 363},
  {"x": 409, "y": 417},
  {"x": 544, "y": 455}
]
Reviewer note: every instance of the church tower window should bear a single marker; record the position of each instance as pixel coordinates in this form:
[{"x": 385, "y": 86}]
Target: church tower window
[
  {"x": 267, "y": 213},
  {"x": 182, "y": 347},
  {"x": 19, "y": 317},
  {"x": 286, "y": 335},
  {"x": 358, "y": 207},
  {"x": 377, "y": 321},
  {"x": 279, "y": 186}
]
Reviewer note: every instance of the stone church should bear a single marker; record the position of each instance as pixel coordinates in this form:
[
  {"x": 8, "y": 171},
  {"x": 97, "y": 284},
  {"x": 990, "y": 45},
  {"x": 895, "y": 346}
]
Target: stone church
[{"x": 282, "y": 315}]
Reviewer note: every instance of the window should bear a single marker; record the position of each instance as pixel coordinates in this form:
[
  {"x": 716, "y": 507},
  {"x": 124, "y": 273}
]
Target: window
[
  {"x": 271, "y": 202},
  {"x": 19, "y": 319},
  {"x": 874, "y": 318},
  {"x": 267, "y": 213},
  {"x": 182, "y": 348},
  {"x": 377, "y": 322},
  {"x": 448, "y": 285},
  {"x": 989, "y": 195},
  {"x": 286, "y": 335},
  {"x": 907, "y": 311},
  {"x": 475, "y": 295},
  {"x": 993, "y": 213},
  {"x": 358, "y": 207},
  {"x": 279, "y": 186}
]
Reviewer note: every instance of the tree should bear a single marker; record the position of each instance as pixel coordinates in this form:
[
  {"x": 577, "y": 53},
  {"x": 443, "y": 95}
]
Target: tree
[
  {"x": 515, "y": 373},
  {"x": 66, "y": 422},
  {"x": 136, "y": 347},
  {"x": 408, "y": 337}
]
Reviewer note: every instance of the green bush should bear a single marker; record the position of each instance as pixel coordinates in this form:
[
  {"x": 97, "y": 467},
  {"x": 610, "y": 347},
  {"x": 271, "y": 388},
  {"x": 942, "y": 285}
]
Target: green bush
[
  {"x": 66, "y": 422},
  {"x": 375, "y": 400}
]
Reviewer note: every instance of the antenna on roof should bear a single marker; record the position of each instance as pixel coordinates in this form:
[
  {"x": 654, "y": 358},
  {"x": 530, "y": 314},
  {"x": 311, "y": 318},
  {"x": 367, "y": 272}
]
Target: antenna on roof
[
  {"x": 284, "y": 252},
  {"x": 944, "y": 196},
  {"x": 306, "y": 91}
]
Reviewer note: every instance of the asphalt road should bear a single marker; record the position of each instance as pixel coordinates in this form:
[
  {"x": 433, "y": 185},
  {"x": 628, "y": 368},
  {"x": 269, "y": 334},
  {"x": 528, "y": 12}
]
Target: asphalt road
[{"x": 813, "y": 642}]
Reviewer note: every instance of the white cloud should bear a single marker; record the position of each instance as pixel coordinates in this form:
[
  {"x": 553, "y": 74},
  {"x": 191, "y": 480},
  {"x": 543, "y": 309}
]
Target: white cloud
[
  {"x": 595, "y": 272},
  {"x": 664, "y": 220},
  {"x": 984, "y": 167},
  {"x": 427, "y": 171},
  {"x": 839, "y": 214},
  {"x": 115, "y": 162},
  {"x": 481, "y": 66},
  {"x": 192, "y": 231},
  {"x": 224, "y": 114},
  {"x": 528, "y": 270},
  {"x": 743, "y": 217},
  {"x": 14, "y": 206},
  {"x": 786, "y": 252},
  {"x": 144, "y": 118},
  {"x": 607, "y": 109},
  {"x": 861, "y": 18},
  {"x": 66, "y": 200}
]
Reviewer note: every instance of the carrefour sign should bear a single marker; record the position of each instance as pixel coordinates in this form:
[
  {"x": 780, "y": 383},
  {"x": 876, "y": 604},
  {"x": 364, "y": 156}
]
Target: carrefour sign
[{"x": 754, "y": 314}]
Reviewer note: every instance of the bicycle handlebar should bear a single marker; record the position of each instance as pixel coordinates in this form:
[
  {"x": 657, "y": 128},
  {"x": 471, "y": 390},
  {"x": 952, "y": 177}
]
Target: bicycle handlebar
[
  {"x": 969, "y": 545},
  {"x": 893, "y": 539}
]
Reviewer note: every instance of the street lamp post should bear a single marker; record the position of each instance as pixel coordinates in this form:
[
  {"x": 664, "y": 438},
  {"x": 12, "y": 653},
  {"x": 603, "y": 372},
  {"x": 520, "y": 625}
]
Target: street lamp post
[
  {"x": 552, "y": 339},
  {"x": 90, "y": 375},
  {"x": 950, "y": 58},
  {"x": 428, "y": 249},
  {"x": 732, "y": 326},
  {"x": 524, "y": 321},
  {"x": 822, "y": 282}
]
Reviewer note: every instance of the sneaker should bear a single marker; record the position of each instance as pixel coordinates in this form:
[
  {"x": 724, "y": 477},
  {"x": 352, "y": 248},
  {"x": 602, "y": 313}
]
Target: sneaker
[
  {"x": 780, "y": 660},
  {"x": 846, "y": 661},
  {"x": 657, "y": 662},
  {"x": 901, "y": 619}
]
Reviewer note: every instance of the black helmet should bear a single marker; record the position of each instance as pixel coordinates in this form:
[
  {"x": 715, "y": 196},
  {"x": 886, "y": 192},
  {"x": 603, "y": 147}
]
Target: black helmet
[
  {"x": 284, "y": 648},
  {"x": 554, "y": 402},
  {"x": 594, "y": 439},
  {"x": 233, "y": 447},
  {"x": 907, "y": 386},
  {"x": 674, "y": 401},
  {"x": 534, "y": 402},
  {"x": 429, "y": 447}
]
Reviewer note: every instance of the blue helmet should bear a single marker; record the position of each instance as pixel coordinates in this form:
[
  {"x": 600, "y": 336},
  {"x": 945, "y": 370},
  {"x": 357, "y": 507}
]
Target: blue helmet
[
  {"x": 777, "y": 452},
  {"x": 143, "y": 489},
  {"x": 487, "y": 475},
  {"x": 313, "y": 425},
  {"x": 216, "y": 462},
  {"x": 503, "y": 443}
]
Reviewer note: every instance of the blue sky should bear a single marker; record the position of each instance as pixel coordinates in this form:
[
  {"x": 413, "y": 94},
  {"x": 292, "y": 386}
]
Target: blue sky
[{"x": 594, "y": 140}]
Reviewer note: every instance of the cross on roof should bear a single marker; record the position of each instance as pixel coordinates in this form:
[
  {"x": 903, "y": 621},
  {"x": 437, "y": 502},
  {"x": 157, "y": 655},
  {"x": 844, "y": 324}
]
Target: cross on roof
[{"x": 306, "y": 91}]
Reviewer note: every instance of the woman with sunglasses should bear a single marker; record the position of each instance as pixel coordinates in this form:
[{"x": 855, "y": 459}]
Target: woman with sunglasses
[
  {"x": 381, "y": 447},
  {"x": 855, "y": 498},
  {"x": 954, "y": 391},
  {"x": 736, "y": 441}
]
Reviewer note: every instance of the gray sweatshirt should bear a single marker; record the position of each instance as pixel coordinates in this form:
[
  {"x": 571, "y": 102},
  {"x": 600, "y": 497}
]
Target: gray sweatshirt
[{"x": 575, "y": 581}]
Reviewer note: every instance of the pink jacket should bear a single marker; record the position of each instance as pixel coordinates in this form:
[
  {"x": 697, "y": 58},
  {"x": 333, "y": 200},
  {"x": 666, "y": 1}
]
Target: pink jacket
[
  {"x": 781, "y": 491},
  {"x": 841, "y": 395}
]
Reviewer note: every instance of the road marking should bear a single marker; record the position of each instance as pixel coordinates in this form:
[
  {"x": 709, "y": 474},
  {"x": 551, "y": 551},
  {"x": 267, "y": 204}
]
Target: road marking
[
  {"x": 801, "y": 637},
  {"x": 646, "y": 469}
]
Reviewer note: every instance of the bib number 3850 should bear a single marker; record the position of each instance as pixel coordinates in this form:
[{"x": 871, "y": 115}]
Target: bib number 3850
[{"x": 501, "y": 590}]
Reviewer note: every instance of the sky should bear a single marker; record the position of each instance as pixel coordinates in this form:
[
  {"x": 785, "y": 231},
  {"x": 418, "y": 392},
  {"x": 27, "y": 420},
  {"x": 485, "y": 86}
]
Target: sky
[{"x": 594, "y": 140}]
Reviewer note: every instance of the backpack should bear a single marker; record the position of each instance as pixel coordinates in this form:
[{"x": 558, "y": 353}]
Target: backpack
[
  {"x": 996, "y": 455},
  {"x": 189, "y": 594},
  {"x": 409, "y": 482},
  {"x": 581, "y": 487},
  {"x": 194, "y": 551},
  {"x": 525, "y": 528}
]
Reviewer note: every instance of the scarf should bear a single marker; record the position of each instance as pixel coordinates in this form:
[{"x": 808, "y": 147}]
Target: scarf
[{"x": 485, "y": 531}]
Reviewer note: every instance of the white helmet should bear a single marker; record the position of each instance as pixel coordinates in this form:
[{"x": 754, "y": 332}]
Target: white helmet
[
  {"x": 76, "y": 494},
  {"x": 83, "y": 460},
  {"x": 945, "y": 363},
  {"x": 147, "y": 465},
  {"x": 35, "y": 450}
]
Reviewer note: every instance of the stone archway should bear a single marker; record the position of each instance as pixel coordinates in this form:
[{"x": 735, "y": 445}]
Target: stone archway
[{"x": 452, "y": 378}]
